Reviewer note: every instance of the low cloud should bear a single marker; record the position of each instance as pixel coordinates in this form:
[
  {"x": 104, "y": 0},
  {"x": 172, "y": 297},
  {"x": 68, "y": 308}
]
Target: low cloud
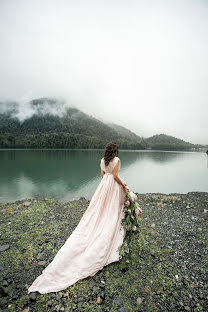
[{"x": 140, "y": 64}]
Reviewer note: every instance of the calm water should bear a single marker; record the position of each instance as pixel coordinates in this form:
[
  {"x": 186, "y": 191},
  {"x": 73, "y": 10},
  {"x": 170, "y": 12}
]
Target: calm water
[{"x": 70, "y": 174}]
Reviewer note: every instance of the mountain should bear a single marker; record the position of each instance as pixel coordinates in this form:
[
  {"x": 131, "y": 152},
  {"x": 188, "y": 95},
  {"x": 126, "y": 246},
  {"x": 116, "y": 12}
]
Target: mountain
[
  {"x": 126, "y": 133},
  {"x": 50, "y": 123},
  {"x": 163, "y": 141}
]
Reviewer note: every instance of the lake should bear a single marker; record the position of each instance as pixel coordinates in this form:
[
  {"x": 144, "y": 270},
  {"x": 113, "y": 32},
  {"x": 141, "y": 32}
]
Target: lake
[{"x": 70, "y": 174}]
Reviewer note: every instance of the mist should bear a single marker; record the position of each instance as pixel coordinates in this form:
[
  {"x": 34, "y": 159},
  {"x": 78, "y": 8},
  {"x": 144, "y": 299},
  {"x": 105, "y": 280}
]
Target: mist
[
  {"x": 25, "y": 109},
  {"x": 140, "y": 64}
]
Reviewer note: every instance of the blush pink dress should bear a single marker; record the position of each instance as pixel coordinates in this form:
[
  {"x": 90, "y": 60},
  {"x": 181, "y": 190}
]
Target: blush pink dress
[{"x": 94, "y": 243}]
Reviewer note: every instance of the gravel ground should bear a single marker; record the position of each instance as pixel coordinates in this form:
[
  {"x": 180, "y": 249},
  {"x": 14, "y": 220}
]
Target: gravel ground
[{"x": 166, "y": 269}]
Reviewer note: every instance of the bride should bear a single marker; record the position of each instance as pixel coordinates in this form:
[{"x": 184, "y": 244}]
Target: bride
[{"x": 96, "y": 240}]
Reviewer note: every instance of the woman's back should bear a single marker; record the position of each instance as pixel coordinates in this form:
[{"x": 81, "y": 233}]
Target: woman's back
[{"x": 109, "y": 168}]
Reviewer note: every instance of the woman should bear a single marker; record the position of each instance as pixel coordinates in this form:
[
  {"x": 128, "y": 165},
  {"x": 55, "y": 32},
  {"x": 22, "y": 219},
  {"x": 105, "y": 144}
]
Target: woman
[{"x": 96, "y": 240}]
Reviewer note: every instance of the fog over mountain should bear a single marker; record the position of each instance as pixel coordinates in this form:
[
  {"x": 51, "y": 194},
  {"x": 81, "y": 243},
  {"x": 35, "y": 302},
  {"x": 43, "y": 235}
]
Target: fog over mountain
[
  {"x": 139, "y": 64},
  {"x": 26, "y": 109},
  {"x": 48, "y": 127}
]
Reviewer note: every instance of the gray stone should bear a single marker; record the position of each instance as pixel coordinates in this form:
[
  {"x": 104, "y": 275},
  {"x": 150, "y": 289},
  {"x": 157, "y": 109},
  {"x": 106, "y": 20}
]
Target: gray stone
[
  {"x": 81, "y": 299},
  {"x": 33, "y": 296},
  {"x": 4, "y": 247},
  {"x": 42, "y": 263},
  {"x": 50, "y": 303},
  {"x": 123, "y": 309},
  {"x": 181, "y": 303},
  {"x": 194, "y": 218},
  {"x": 57, "y": 307},
  {"x": 139, "y": 300},
  {"x": 102, "y": 294},
  {"x": 5, "y": 283},
  {"x": 27, "y": 204},
  {"x": 96, "y": 290},
  {"x": 3, "y": 302},
  {"x": 118, "y": 301}
]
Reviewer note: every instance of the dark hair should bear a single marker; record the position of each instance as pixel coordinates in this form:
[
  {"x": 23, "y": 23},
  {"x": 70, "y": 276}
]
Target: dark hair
[{"x": 111, "y": 150}]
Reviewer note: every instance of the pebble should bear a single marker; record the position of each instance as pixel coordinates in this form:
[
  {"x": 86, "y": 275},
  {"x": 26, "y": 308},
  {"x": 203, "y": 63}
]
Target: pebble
[
  {"x": 194, "y": 218},
  {"x": 139, "y": 300},
  {"x": 33, "y": 296},
  {"x": 26, "y": 204},
  {"x": 5, "y": 283},
  {"x": 3, "y": 302},
  {"x": 4, "y": 247},
  {"x": 99, "y": 300},
  {"x": 50, "y": 303},
  {"x": 57, "y": 307},
  {"x": 42, "y": 263},
  {"x": 123, "y": 309},
  {"x": 81, "y": 299},
  {"x": 181, "y": 303},
  {"x": 118, "y": 301}
]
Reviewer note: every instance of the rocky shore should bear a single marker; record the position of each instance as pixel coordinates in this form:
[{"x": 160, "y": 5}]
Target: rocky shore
[{"x": 166, "y": 269}]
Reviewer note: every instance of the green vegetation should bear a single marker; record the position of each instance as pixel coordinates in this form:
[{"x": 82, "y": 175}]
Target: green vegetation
[
  {"x": 167, "y": 142},
  {"x": 165, "y": 269},
  {"x": 49, "y": 126}
]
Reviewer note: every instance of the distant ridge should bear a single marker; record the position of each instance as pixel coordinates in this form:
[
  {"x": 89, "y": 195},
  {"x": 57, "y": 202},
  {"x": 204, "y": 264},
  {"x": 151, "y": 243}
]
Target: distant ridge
[
  {"x": 50, "y": 123},
  {"x": 126, "y": 133}
]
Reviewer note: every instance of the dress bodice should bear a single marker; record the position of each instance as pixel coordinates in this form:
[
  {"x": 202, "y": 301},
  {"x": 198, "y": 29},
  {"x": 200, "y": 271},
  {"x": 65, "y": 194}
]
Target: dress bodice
[{"x": 110, "y": 167}]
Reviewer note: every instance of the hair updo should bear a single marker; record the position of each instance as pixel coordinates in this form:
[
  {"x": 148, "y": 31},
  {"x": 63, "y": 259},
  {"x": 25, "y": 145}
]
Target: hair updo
[{"x": 111, "y": 150}]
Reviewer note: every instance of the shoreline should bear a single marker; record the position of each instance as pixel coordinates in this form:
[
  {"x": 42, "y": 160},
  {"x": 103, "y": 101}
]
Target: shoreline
[
  {"x": 166, "y": 270},
  {"x": 39, "y": 198}
]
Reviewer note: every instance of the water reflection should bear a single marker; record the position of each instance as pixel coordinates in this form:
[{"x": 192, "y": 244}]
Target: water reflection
[{"x": 68, "y": 174}]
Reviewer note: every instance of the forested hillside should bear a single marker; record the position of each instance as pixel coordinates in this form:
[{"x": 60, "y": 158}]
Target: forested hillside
[
  {"x": 49, "y": 124},
  {"x": 125, "y": 132},
  {"x": 167, "y": 142},
  {"x": 73, "y": 129}
]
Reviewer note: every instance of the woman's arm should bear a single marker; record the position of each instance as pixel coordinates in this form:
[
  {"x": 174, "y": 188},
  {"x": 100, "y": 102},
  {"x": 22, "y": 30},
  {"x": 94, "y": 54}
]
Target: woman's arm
[
  {"x": 102, "y": 173},
  {"x": 117, "y": 178}
]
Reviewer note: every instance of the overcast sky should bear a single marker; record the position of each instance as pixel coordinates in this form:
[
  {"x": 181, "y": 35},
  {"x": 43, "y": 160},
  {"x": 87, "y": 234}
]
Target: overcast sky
[{"x": 141, "y": 64}]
